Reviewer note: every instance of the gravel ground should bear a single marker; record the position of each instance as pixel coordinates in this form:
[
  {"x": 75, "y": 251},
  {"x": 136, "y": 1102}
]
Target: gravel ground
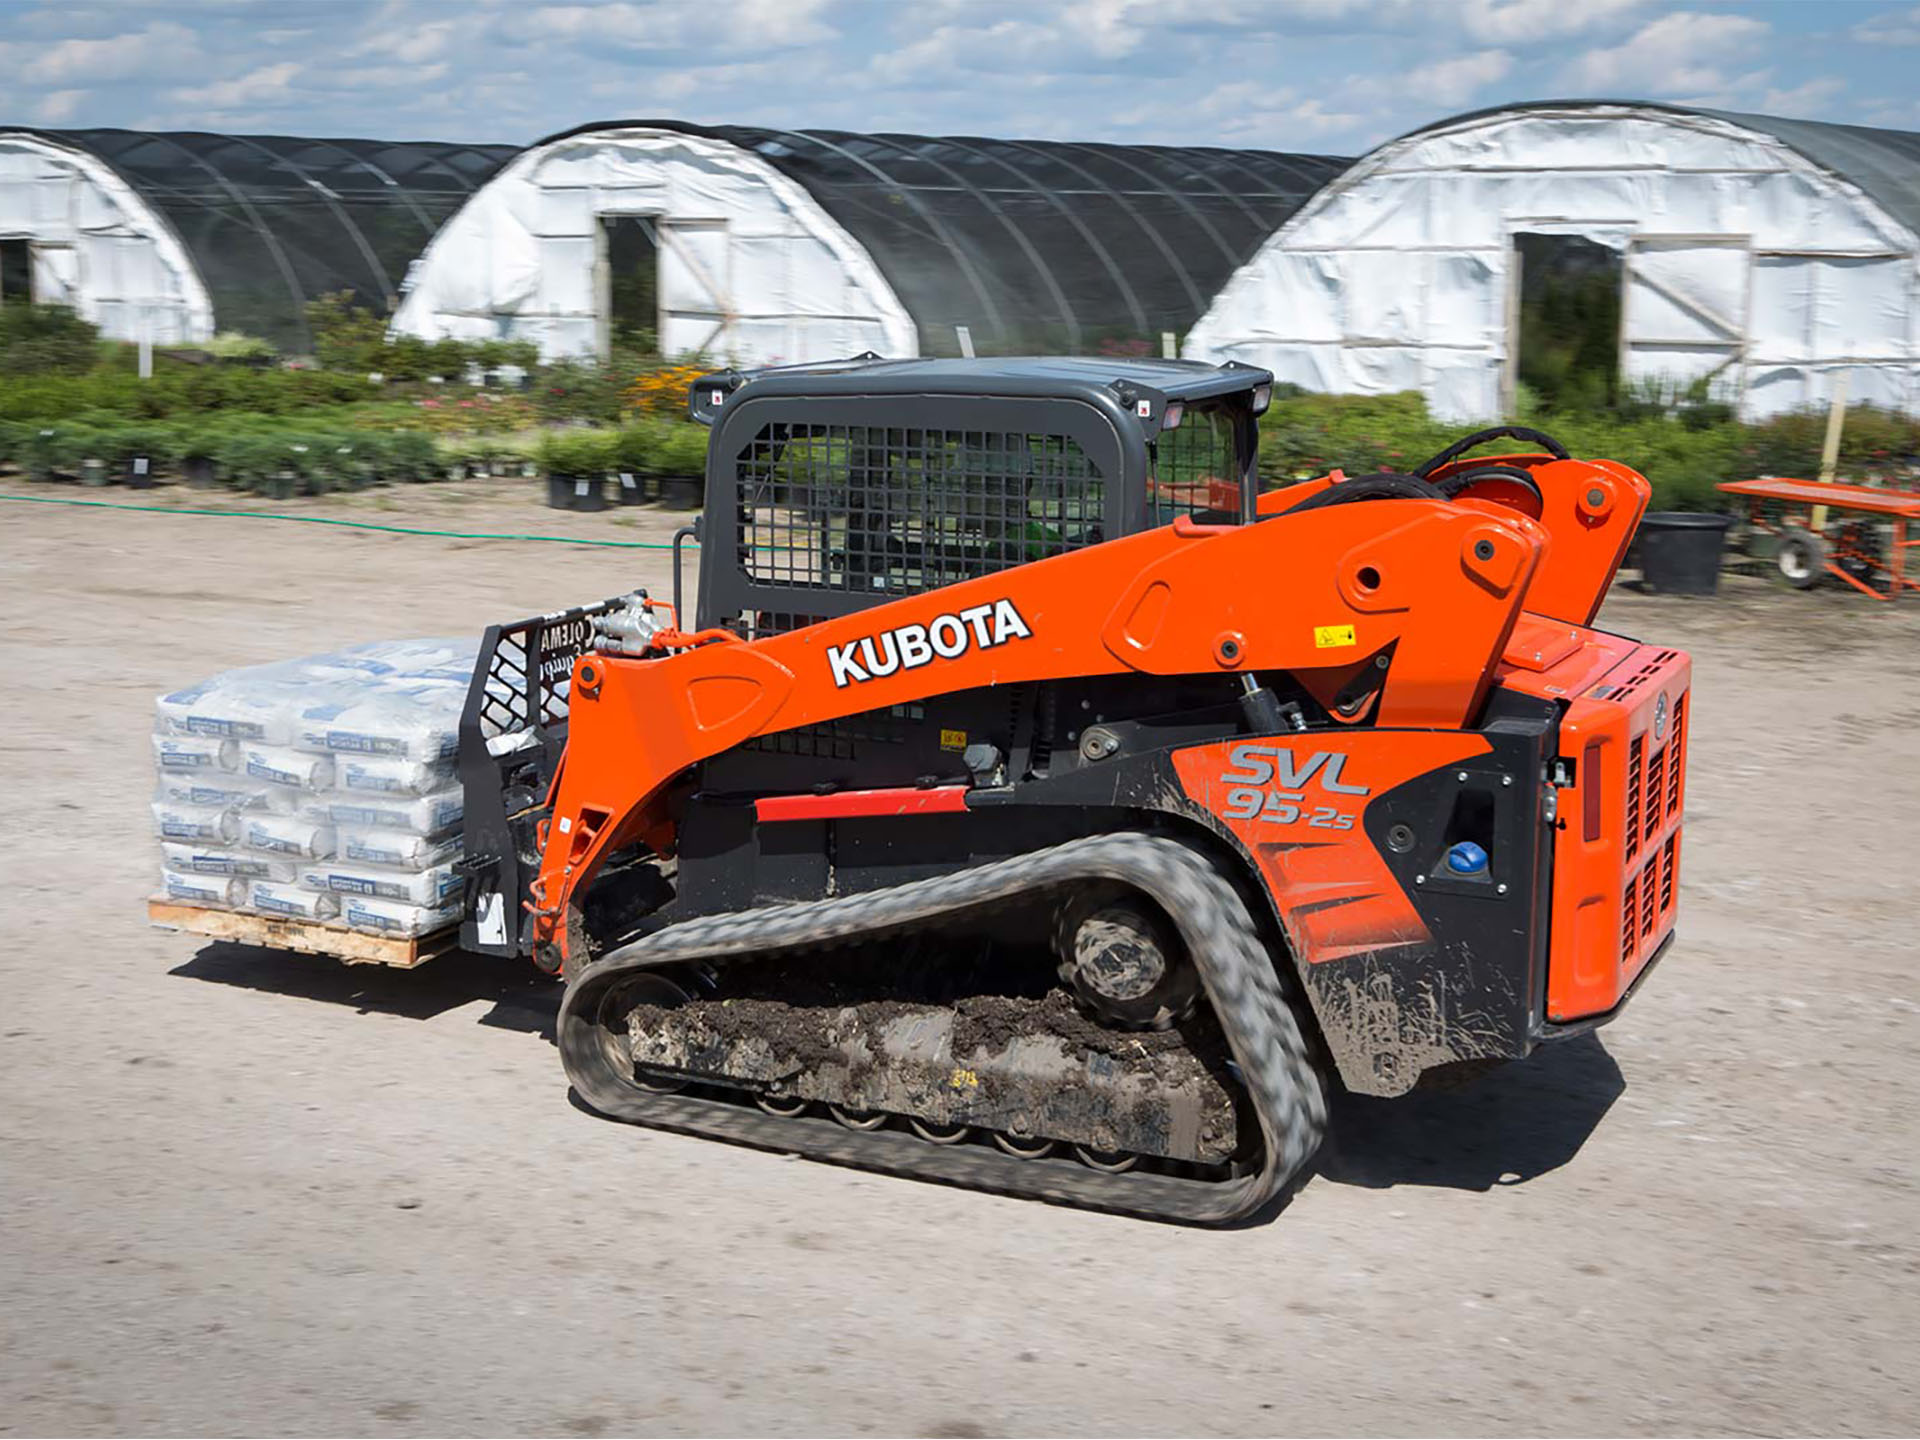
[{"x": 244, "y": 1193}]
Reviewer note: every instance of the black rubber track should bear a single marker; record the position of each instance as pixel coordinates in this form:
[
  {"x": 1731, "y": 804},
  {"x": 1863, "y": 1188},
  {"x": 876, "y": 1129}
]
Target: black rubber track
[{"x": 1284, "y": 1085}]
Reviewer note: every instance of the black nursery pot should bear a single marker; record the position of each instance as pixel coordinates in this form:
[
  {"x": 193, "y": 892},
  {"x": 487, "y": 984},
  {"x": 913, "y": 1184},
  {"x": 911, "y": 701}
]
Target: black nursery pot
[
  {"x": 680, "y": 492},
  {"x": 1680, "y": 551}
]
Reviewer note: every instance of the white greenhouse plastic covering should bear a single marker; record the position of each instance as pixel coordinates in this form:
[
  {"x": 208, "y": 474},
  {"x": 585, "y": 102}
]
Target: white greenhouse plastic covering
[
  {"x": 93, "y": 243},
  {"x": 1766, "y": 254},
  {"x": 749, "y": 265}
]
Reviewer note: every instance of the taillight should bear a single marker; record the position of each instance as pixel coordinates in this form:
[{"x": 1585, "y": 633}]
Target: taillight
[{"x": 1590, "y": 790}]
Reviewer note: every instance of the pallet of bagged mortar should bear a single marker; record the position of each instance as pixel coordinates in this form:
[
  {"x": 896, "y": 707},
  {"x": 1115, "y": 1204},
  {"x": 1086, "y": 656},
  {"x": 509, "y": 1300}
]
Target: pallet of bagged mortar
[{"x": 314, "y": 804}]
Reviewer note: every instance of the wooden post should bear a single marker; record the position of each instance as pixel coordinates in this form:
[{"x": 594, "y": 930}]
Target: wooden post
[{"x": 1830, "y": 451}]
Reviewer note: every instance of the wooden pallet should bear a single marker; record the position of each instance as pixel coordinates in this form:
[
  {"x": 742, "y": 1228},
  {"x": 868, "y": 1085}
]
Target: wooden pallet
[{"x": 352, "y": 946}]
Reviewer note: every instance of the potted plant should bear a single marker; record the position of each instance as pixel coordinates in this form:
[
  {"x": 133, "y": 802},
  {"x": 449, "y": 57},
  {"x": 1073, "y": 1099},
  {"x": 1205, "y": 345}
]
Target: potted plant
[
  {"x": 258, "y": 462},
  {"x": 198, "y": 457},
  {"x": 410, "y": 455},
  {"x": 138, "y": 451},
  {"x": 633, "y": 463},
  {"x": 41, "y": 453},
  {"x": 86, "y": 453},
  {"x": 680, "y": 462},
  {"x": 576, "y": 461}
]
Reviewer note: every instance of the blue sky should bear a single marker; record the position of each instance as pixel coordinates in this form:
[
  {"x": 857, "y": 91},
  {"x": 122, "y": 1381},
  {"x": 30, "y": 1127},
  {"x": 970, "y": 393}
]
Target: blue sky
[{"x": 1335, "y": 76}]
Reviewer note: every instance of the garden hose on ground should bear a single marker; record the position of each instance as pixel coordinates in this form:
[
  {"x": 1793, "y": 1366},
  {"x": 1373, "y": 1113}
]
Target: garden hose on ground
[{"x": 331, "y": 520}]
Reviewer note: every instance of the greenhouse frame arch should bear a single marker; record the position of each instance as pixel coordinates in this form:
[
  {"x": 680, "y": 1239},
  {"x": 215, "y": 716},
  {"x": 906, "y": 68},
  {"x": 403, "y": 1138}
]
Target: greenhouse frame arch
[
  {"x": 778, "y": 246},
  {"x": 170, "y": 236}
]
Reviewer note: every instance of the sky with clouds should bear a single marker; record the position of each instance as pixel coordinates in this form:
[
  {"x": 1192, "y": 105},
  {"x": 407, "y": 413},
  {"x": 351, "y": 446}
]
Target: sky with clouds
[{"x": 1334, "y": 76}]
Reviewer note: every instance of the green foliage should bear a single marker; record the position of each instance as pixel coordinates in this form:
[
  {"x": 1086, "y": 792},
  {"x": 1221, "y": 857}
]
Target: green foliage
[
  {"x": 1683, "y": 440},
  {"x": 576, "y": 390},
  {"x": 662, "y": 447},
  {"x": 346, "y": 335},
  {"x": 232, "y": 345},
  {"x": 1569, "y": 320},
  {"x": 175, "y": 390},
  {"x": 410, "y": 455},
  {"x": 45, "y": 340},
  {"x": 578, "y": 452}
]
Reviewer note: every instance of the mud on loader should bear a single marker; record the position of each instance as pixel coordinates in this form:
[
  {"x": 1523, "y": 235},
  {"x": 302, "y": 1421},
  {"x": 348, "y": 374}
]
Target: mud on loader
[{"x": 1036, "y": 805}]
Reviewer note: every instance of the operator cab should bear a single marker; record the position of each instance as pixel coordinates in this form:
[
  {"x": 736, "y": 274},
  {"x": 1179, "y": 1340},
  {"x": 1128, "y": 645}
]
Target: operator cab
[{"x": 835, "y": 486}]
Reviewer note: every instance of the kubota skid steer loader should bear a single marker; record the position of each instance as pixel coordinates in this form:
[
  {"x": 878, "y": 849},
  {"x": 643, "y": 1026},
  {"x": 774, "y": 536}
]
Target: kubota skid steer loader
[{"x": 1037, "y": 806}]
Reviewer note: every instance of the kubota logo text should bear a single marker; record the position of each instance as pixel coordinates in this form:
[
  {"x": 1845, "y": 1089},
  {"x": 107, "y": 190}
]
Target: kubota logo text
[
  {"x": 908, "y": 647},
  {"x": 1257, "y": 766}
]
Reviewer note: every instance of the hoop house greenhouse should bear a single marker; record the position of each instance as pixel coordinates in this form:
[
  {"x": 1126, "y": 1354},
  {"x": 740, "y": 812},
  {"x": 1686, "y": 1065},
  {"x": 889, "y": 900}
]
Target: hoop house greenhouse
[
  {"x": 1596, "y": 243},
  {"x": 756, "y": 245},
  {"x": 169, "y": 237}
]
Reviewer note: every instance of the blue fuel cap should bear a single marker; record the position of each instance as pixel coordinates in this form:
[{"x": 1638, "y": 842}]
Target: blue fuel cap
[{"x": 1466, "y": 858}]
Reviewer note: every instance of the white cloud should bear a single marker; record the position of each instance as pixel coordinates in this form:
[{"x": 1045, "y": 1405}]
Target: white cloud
[
  {"x": 673, "y": 25},
  {"x": 116, "y": 57},
  {"x": 1528, "y": 22},
  {"x": 58, "y": 106},
  {"x": 1810, "y": 97},
  {"x": 1891, "y": 27},
  {"x": 1456, "y": 81},
  {"x": 381, "y": 77},
  {"x": 269, "y": 83},
  {"x": 1241, "y": 112},
  {"x": 1680, "y": 52},
  {"x": 410, "y": 46}
]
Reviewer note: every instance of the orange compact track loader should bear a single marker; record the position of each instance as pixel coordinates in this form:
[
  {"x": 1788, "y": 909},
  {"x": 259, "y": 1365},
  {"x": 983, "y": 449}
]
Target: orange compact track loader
[{"x": 1036, "y": 805}]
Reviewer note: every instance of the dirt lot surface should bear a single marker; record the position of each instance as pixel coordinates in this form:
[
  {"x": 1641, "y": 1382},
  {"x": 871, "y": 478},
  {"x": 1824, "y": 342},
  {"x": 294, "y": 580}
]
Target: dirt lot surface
[{"x": 245, "y": 1193}]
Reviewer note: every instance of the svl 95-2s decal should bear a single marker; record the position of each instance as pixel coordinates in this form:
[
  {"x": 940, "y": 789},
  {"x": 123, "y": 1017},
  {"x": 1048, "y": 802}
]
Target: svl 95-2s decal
[{"x": 1254, "y": 767}]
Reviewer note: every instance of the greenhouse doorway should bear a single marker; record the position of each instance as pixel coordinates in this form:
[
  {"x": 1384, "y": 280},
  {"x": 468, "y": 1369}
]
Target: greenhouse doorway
[
  {"x": 629, "y": 298},
  {"x": 1564, "y": 324},
  {"x": 16, "y": 270}
]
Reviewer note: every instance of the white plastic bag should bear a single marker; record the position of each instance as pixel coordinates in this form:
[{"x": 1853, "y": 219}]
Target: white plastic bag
[
  {"x": 290, "y": 902},
  {"x": 195, "y": 754},
  {"x": 222, "y": 792},
  {"x": 206, "y": 823},
  {"x": 395, "y": 848},
  {"x": 392, "y": 917},
  {"x": 435, "y": 814},
  {"x": 295, "y": 836},
  {"x": 210, "y": 860},
  {"x": 434, "y": 887},
  {"x": 222, "y": 892},
  {"x": 294, "y": 769},
  {"x": 379, "y": 775}
]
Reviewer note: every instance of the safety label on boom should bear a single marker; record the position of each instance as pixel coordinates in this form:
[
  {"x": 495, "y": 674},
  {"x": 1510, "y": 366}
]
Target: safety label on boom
[{"x": 1332, "y": 637}]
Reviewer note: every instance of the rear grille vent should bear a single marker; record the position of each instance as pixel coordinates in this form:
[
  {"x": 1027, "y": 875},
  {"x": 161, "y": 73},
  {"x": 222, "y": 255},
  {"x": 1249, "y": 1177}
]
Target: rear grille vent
[
  {"x": 1656, "y": 811},
  {"x": 1666, "y": 875},
  {"x": 1636, "y": 765},
  {"x": 1675, "y": 759},
  {"x": 1649, "y": 899},
  {"x": 1629, "y": 921}
]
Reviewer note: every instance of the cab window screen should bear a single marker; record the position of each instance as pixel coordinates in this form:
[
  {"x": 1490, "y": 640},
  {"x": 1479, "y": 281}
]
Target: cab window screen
[
  {"x": 896, "y": 511},
  {"x": 1195, "y": 470}
]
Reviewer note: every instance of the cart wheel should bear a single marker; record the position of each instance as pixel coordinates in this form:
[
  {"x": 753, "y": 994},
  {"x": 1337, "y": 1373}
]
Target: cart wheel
[{"x": 1802, "y": 557}]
